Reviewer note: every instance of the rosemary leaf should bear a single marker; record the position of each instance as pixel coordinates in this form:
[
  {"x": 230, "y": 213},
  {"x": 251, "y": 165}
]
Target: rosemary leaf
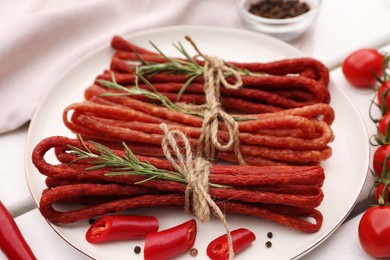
[
  {"x": 159, "y": 51},
  {"x": 183, "y": 51},
  {"x": 96, "y": 167},
  {"x": 148, "y": 179},
  {"x": 185, "y": 86}
]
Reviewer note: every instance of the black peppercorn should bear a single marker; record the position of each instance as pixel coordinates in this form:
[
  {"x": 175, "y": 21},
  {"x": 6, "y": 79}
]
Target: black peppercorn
[
  {"x": 279, "y": 9},
  {"x": 137, "y": 249}
]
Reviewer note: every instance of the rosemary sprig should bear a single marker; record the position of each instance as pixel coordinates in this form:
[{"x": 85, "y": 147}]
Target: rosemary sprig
[
  {"x": 177, "y": 66},
  {"x": 187, "y": 66},
  {"x": 154, "y": 94},
  {"x": 129, "y": 164},
  {"x": 172, "y": 65}
]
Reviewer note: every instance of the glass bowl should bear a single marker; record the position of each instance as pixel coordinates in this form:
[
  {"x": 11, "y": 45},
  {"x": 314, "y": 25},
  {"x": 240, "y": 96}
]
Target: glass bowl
[{"x": 286, "y": 29}]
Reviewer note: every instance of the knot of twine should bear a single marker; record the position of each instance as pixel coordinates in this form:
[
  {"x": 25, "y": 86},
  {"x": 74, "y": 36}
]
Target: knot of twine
[
  {"x": 215, "y": 71},
  {"x": 196, "y": 172}
]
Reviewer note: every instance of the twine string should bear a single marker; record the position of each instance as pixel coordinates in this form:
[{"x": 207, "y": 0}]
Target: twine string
[
  {"x": 196, "y": 173},
  {"x": 215, "y": 71}
]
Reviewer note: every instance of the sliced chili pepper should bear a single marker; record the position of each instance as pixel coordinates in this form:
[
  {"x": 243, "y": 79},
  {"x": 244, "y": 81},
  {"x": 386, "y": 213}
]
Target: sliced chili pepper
[
  {"x": 218, "y": 248},
  {"x": 12, "y": 242},
  {"x": 119, "y": 227},
  {"x": 170, "y": 242}
]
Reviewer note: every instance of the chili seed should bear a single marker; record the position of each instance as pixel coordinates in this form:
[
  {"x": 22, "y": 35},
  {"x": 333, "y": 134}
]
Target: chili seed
[
  {"x": 269, "y": 235},
  {"x": 194, "y": 252},
  {"x": 91, "y": 221},
  {"x": 137, "y": 249},
  {"x": 268, "y": 244}
]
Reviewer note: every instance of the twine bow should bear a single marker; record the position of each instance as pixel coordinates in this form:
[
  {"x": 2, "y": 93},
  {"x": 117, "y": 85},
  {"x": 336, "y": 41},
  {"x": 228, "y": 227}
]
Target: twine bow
[
  {"x": 215, "y": 71},
  {"x": 196, "y": 172}
]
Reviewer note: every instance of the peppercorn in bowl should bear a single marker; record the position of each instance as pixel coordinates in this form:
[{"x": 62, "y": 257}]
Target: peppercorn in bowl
[{"x": 282, "y": 19}]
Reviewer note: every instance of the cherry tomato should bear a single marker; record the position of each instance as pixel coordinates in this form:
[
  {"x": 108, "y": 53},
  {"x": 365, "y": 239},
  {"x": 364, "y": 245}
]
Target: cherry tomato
[
  {"x": 383, "y": 124},
  {"x": 379, "y": 193},
  {"x": 379, "y": 157},
  {"x": 384, "y": 95},
  {"x": 374, "y": 231},
  {"x": 360, "y": 66}
]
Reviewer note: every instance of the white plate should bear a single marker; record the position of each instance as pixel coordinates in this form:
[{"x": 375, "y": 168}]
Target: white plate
[{"x": 345, "y": 170}]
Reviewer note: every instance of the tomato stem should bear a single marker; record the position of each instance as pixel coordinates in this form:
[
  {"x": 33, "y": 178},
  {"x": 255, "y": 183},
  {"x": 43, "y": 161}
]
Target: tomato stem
[
  {"x": 384, "y": 179},
  {"x": 370, "y": 109},
  {"x": 386, "y": 61},
  {"x": 385, "y": 170},
  {"x": 383, "y": 97}
]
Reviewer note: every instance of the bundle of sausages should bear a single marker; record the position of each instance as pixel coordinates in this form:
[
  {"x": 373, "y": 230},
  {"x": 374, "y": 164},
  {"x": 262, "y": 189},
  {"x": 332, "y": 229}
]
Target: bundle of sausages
[
  {"x": 292, "y": 117},
  {"x": 283, "y": 141},
  {"x": 287, "y": 195}
]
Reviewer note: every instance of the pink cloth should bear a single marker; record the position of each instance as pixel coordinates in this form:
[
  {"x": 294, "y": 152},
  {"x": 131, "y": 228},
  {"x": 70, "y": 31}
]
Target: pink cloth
[{"x": 40, "y": 40}]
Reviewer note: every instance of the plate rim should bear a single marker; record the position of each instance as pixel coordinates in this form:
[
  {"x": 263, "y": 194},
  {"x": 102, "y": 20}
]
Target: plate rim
[{"x": 100, "y": 48}]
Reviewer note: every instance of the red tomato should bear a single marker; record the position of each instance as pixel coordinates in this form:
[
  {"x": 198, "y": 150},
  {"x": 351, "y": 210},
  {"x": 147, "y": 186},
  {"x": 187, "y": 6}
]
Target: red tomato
[
  {"x": 360, "y": 66},
  {"x": 384, "y": 95},
  {"x": 374, "y": 231},
  {"x": 379, "y": 192},
  {"x": 383, "y": 124},
  {"x": 379, "y": 158}
]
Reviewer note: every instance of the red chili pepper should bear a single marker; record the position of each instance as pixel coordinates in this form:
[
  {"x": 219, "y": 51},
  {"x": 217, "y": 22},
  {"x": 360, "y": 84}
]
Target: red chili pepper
[
  {"x": 12, "y": 242},
  {"x": 218, "y": 248},
  {"x": 170, "y": 242},
  {"x": 115, "y": 227}
]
